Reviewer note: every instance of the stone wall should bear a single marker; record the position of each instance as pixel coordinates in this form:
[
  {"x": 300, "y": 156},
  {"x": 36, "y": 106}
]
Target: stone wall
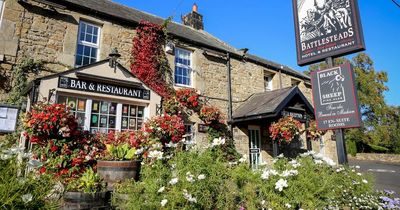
[
  {"x": 387, "y": 158},
  {"x": 35, "y": 31}
]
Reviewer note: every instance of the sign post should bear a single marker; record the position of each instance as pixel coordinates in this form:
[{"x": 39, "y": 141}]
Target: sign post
[{"x": 326, "y": 29}]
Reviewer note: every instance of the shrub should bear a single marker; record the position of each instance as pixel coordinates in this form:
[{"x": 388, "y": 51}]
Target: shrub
[
  {"x": 19, "y": 190},
  {"x": 351, "y": 148},
  {"x": 204, "y": 180}
]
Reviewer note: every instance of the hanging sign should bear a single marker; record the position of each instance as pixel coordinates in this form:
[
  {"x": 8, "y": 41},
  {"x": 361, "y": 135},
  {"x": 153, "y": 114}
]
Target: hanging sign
[
  {"x": 8, "y": 118},
  {"x": 335, "y": 98},
  {"x": 326, "y": 28},
  {"x": 90, "y": 86}
]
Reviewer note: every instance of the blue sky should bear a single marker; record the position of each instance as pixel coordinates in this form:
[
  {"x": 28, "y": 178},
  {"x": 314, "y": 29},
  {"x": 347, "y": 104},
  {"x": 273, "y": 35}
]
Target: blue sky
[{"x": 266, "y": 28}]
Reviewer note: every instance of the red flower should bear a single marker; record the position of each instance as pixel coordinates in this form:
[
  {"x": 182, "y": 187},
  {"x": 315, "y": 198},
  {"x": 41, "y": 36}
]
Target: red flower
[
  {"x": 54, "y": 148},
  {"x": 42, "y": 170}
]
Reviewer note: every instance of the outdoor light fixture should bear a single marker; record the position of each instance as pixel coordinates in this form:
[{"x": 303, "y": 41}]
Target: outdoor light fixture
[
  {"x": 169, "y": 47},
  {"x": 114, "y": 55}
]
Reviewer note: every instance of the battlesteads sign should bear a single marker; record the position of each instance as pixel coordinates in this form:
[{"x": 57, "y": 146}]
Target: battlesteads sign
[
  {"x": 326, "y": 28},
  {"x": 90, "y": 86},
  {"x": 335, "y": 98}
]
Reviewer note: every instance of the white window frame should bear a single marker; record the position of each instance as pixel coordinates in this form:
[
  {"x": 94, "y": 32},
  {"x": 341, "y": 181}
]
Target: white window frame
[
  {"x": 118, "y": 115},
  {"x": 89, "y": 44},
  {"x": 184, "y": 66},
  {"x": 2, "y": 3},
  {"x": 268, "y": 80}
]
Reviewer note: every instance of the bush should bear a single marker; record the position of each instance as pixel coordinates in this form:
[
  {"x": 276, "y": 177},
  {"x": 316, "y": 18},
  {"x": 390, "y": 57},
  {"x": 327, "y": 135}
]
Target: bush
[
  {"x": 351, "y": 148},
  {"x": 19, "y": 190},
  {"x": 194, "y": 180}
]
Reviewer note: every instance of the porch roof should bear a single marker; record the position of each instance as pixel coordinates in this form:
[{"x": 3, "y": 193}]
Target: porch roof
[{"x": 269, "y": 104}]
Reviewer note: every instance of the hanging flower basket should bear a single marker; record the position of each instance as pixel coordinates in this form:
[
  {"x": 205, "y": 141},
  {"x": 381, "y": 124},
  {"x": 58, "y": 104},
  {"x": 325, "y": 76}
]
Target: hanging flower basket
[
  {"x": 313, "y": 133},
  {"x": 285, "y": 130}
]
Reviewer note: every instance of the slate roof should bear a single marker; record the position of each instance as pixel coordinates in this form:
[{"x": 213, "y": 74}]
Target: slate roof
[
  {"x": 200, "y": 37},
  {"x": 267, "y": 104}
]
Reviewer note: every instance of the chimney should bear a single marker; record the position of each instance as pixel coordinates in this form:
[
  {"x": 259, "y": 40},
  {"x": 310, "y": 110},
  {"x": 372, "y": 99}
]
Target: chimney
[{"x": 193, "y": 19}]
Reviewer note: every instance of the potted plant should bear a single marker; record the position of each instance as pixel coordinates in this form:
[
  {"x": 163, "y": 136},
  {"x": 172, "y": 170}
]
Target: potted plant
[
  {"x": 285, "y": 130},
  {"x": 86, "y": 192},
  {"x": 122, "y": 157}
]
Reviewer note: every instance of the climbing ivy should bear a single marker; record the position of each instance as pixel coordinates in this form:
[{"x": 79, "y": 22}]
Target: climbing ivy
[{"x": 19, "y": 79}]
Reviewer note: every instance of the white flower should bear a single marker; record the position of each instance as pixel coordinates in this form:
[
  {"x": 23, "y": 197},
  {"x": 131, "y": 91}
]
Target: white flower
[
  {"x": 357, "y": 167},
  {"x": 163, "y": 202},
  {"x": 318, "y": 162},
  {"x": 287, "y": 173},
  {"x": 173, "y": 166},
  {"x": 139, "y": 151},
  {"x": 173, "y": 181},
  {"x": 5, "y": 156},
  {"x": 161, "y": 189},
  {"x": 156, "y": 154},
  {"x": 339, "y": 169},
  {"x": 265, "y": 175},
  {"x": 189, "y": 177},
  {"x": 365, "y": 181},
  {"x": 294, "y": 163},
  {"x": 218, "y": 141},
  {"x": 280, "y": 184},
  {"x": 280, "y": 156},
  {"x": 201, "y": 176},
  {"x": 243, "y": 159},
  {"x": 262, "y": 202},
  {"x": 189, "y": 197},
  {"x": 171, "y": 144},
  {"x": 329, "y": 161},
  {"x": 359, "y": 174},
  {"x": 288, "y": 205},
  {"x": 27, "y": 198}
]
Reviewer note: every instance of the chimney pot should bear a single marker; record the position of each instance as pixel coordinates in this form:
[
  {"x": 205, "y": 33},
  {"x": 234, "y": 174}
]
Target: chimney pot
[{"x": 195, "y": 8}]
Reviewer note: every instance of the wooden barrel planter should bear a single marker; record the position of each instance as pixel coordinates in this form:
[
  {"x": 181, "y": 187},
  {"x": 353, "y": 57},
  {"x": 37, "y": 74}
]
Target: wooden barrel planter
[
  {"x": 117, "y": 171},
  {"x": 80, "y": 200}
]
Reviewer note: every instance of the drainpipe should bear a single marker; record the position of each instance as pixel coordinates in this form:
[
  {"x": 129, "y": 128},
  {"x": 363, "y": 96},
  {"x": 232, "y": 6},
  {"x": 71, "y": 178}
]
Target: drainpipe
[
  {"x": 280, "y": 77},
  {"x": 228, "y": 65}
]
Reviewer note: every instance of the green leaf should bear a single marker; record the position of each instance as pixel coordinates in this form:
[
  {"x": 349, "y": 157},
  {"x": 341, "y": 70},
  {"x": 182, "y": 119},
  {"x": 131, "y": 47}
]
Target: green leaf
[{"x": 130, "y": 154}]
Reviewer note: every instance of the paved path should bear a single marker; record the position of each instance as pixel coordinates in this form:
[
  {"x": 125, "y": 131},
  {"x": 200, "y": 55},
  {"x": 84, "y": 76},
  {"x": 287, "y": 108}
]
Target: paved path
[{"x": 387, "y": 175}]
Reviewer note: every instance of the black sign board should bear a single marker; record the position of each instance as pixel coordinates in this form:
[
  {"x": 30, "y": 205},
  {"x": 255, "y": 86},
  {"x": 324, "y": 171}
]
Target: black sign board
[
  {"x": 335, "y": 98},
  {"x": 90, "y": 86},
  {"x": 295, "y": 115},
  {"x": 326, "y": 28},
  {"x": 254, "y": 150}
]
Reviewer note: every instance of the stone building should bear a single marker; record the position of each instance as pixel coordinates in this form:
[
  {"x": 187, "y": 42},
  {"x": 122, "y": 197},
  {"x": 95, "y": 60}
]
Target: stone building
[{"x": 71, "y": 34}]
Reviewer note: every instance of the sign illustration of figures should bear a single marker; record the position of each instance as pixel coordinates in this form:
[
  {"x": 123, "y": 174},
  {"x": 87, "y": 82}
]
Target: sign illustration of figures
[
  {"x": 335, "y": 98},
  {"x": 326, "y": 28}
]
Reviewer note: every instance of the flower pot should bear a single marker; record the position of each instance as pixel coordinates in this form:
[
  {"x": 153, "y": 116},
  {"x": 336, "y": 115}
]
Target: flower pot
[
  {"x": 117, "y": 171},
  {"x": 80, "y": 200}
]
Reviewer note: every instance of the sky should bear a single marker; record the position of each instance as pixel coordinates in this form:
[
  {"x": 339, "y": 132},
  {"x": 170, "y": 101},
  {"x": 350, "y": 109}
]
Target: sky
[{"x": 266, "y": 28}]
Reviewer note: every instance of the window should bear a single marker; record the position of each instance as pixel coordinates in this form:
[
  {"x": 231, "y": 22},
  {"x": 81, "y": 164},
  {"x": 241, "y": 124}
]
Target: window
[
  {"x": 88, "y": 44},
  {"x": 132, "y": 117},
  {"x": 183, "y": 70},
  {"x": 77, "y": 107},
  {"x": 104, "y": 116},
  {"x": 268, "y": 83}
]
